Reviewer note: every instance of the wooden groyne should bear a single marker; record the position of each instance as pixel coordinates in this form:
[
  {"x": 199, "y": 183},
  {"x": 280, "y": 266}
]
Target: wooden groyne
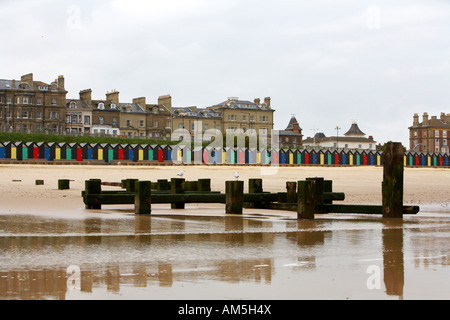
[{"x": 307, "y": 198}]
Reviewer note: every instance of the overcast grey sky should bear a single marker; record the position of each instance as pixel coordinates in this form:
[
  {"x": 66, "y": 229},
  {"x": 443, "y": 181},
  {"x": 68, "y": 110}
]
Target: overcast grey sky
[{"x": 328, "y": 62}]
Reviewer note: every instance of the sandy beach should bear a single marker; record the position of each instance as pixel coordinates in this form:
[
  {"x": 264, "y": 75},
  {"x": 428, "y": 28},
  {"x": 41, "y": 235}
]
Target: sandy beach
[
  {"x": 361, "y": 185},
  {"x": 53, "y": 248}
]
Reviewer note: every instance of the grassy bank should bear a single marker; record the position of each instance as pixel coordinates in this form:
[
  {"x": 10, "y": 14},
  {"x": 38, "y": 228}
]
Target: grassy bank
[{"x": 36, "y": 137}]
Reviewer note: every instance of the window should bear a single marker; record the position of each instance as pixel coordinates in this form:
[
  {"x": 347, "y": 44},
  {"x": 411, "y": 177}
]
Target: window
[
  {"x": 74, "y": 118},
  {"x": 180, "y": 126},
  {"x": 252, "y": 118},
  {"x": 39, "y": 101},
  {"x": 73, "y": 105},
  {"x": 38, "y": 115},
  {"x": 128, "y": 123},
  {"x": 53, "y": 102},
  {"x": 87, "y": 120},
  {"x": 115, "y": 132},
  {"x": 8, "y": 99},
  {"x": 55, "y": 128},
  {"x": 263, "y": 119},
  {"x": 25, "y": 100},
  {"x": 263, "y": 131},
  {"x": 232, "y": 117},
  {"x": 155, "y": 110},
  {"x": 155, "y": 124},
  {"x": 25, "y": 114},
  {"x": 141, "y": 123},
  {"x": 18, "y": 100},
  {"x": 436, "y": 133},
  {"x": 359, "y": 146},
  {"x": 193, "y": 127},
  {"x": 101, "y": 120},
  {"x": 113, "y": 106},
  {"x": 244, "y": 118},
  {"x": 54, "y": 115},
  {"x": 205, "y": 127},
  {"x": 114, "y": 121},
  {"x": 101, "y": 106}
]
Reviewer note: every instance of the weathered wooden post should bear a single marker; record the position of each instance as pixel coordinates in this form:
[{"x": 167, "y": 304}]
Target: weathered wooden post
[
  {"x": 255, "y": 186},
  {"x": 142, "y": 197},
  {"x": 305, "y": 196},
  {"x": 392, "y": 185},
  {"x": 328, "y": 187},
  {"x": 63, "y": 184},
  {"x": 93, "y": 186},
  {"x": 318, "y": 194},
  {"x": 204, "y": 185},
  {"x": 177, "y": 187},
  {"x": 291, "y": 188},
  {"x": 234, "y": 197},
  {"x": 163, "y": 185},
  {"x": 130, "y": 184}
]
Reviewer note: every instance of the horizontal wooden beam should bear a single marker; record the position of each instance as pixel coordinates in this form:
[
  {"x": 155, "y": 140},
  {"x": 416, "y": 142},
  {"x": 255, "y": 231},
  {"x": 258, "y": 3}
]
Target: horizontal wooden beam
[{"x": 365, "y": 209}]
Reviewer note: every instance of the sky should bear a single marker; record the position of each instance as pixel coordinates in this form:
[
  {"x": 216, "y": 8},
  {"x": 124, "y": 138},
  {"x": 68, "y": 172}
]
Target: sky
[{"x": 327, "y": 62}]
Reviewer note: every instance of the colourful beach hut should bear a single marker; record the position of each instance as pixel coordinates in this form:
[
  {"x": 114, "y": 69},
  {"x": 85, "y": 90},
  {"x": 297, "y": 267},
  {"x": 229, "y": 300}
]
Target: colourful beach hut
[
  {"x": 43, "y": 151},
  {"x": 2, "y": 151}
]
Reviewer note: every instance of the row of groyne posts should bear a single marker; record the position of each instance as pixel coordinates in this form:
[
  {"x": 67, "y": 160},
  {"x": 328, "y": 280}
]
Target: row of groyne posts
[{"x": 309, "y": 197}]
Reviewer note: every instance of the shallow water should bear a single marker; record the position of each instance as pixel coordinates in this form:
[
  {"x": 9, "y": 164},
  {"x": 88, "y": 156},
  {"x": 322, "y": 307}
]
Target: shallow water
[{"x": 203, "y": 254}]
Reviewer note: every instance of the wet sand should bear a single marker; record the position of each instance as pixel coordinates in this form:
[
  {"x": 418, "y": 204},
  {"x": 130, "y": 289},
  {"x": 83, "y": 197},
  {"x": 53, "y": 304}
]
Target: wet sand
[{"x": 52, "y": 248}]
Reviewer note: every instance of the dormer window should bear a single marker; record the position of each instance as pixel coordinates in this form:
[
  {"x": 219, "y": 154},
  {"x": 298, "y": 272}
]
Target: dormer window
[
  {"x": 155, "y": 110},
  {"x": 113, "y": 106},
  {"x": 101, "y": 106},
  {"x": 73, "y": 105}
]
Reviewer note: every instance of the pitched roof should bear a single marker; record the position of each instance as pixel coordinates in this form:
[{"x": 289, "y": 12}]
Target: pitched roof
[
  {"x": 354, "y": 131},
  {"x": 290, "y": 126}
]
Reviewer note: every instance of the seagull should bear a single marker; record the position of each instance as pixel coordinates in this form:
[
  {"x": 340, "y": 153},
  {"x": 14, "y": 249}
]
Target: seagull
[
  {"x": 181, "y": 173},
  {"x": 236, "y": 175}
]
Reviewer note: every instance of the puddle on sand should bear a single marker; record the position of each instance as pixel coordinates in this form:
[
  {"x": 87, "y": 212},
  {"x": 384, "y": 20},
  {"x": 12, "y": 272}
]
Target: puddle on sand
[{"x": 214, "y": 256}]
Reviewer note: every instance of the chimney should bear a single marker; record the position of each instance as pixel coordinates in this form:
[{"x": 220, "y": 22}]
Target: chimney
[
  {"x": 166, "y": 101},
  {"x": 140, "y": 101},
  {"x": 113, "y": 96},
  {"x": 425, "y": 119},
  {"x": 60, "y": 82},
  {"x": 416, "y": 120},
  {"x": 258, "y": 101},
  {"x": 267, "y": 101},
  {"x": 86, "y": 95},
  {"x": 13, "y": 84},
  {"x": 28, "y": 78},
  {"x": 296, "y": 127}
]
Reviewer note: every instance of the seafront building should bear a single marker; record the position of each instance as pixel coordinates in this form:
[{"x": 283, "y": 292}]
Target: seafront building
[
  {"x": 292, "y": 136},
  {"x": 27, "y": 105},
  {"x": 430, "y": 135},
  {"x": 354, "y": 139}
]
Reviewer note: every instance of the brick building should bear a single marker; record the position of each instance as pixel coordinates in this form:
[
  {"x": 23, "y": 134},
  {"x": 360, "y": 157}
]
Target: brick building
[
  {"x": 33, "y": 106},
  {"x": 292, "y": 136},
  {"x": 430, "y": 135}
]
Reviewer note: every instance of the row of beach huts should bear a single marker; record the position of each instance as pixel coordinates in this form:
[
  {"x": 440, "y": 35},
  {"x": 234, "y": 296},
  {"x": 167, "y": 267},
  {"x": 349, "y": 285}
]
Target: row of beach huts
[{"x": 86, "y": 153}]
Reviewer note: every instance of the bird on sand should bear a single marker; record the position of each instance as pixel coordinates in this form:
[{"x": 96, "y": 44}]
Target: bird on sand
[
  {"x": 181, "y": 173},
  {"x": 236, "y": 175}
]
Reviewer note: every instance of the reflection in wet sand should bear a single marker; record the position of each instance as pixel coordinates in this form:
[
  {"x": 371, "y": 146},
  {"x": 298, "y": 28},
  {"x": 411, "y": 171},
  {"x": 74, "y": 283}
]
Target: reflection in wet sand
[{"x": 171, "y": 252}]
